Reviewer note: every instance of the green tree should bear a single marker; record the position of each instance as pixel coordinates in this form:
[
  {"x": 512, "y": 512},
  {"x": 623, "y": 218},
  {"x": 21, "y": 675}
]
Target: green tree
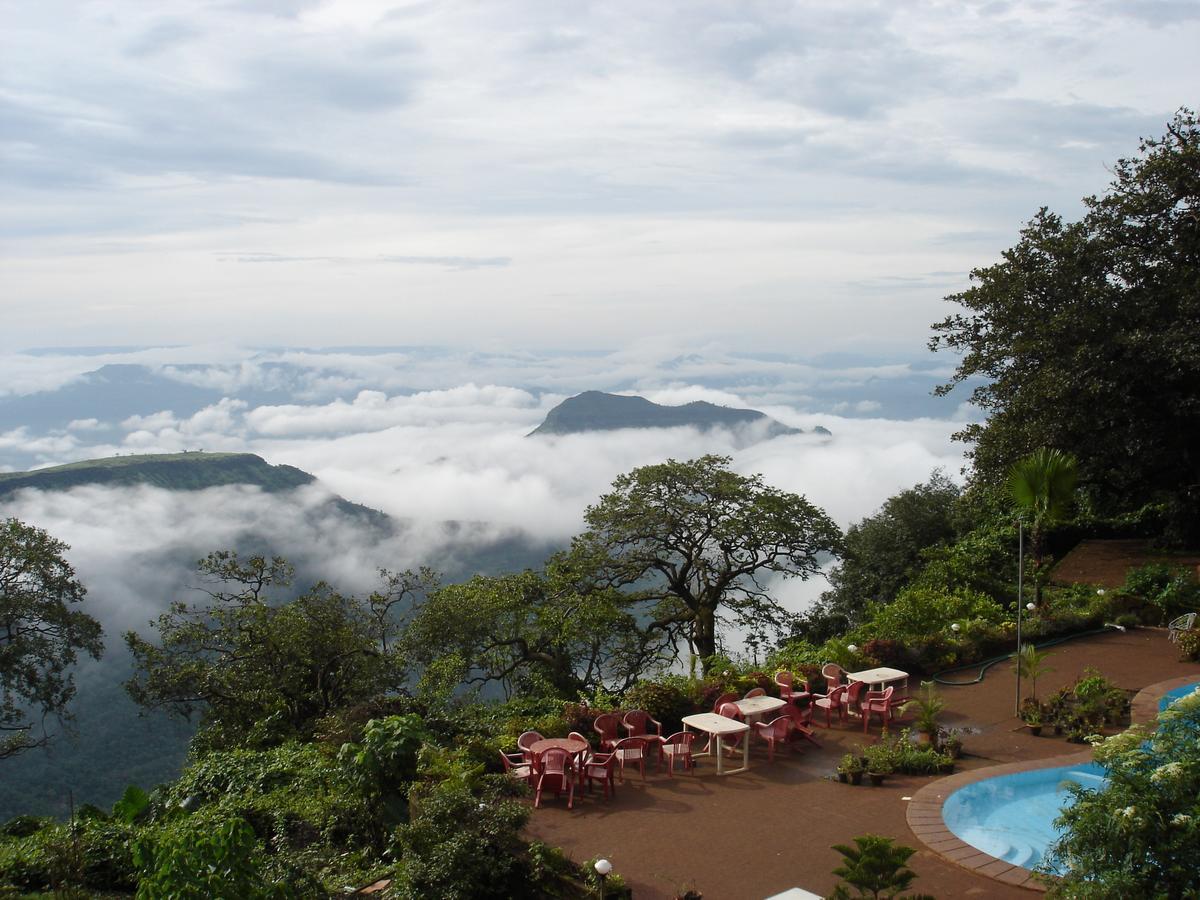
[
  {"x": 883, "y": 553},
  {"x": 529, "y": 632},
  {"x": 1137, "y": 836},
  {"x": 201, "y": 859},
  {"x": 1083, "y": 337},
  {"x": 691, "y": 539},
  {"x": 874, "y": 867},
  {"x": 41, "y": 633},
  {"x": 256, "y": 669},
  {"x": 1031, "y": 665},
  {"x": 1043, "y": 486}
]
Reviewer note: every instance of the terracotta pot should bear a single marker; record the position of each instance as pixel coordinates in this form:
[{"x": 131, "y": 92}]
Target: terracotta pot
[
  {"x": 856, "y": 777},
  {"x": 1035, "y": 730},
  {"x": 843, "y": 777},
  {"x": 877, "y": 777}
]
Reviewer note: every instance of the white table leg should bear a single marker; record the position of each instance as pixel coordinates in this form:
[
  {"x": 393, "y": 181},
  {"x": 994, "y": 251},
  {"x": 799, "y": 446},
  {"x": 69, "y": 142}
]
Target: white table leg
[
  {"x": 720, "y": 751},
  {"x": 746, "y": 751}
]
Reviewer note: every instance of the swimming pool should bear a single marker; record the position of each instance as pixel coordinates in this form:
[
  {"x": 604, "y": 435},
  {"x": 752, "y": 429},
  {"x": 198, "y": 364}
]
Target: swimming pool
[{"x": 1012, "y": 816}]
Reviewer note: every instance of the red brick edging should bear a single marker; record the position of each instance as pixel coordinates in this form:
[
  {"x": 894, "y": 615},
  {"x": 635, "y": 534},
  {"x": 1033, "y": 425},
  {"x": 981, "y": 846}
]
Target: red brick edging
[{"x": 925, "y": 809}]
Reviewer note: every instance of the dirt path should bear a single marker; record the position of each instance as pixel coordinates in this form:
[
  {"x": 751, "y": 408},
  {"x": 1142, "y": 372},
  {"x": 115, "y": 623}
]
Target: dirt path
[{"x": 1105, "y": 563}]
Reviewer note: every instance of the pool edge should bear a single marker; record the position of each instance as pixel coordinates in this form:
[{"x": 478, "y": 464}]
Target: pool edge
[{"x": 924, "y": 813}]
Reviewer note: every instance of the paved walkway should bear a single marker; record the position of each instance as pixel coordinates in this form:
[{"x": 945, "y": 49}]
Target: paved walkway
[{"x": 756, "y": 834}]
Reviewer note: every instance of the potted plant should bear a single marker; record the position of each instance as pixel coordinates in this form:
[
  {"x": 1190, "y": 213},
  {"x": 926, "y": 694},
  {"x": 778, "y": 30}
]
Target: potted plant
[
  {"x": 952, "y": 743},
  {"x": 928, "y": 707},
  {"x": 852, "y": 767},
  {"x": 879, "y": 761},
  {"x": 1033, "y": 720}
]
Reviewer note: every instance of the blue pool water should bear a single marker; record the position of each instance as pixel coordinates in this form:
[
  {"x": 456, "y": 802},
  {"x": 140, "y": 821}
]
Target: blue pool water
[{"x": 1012, "y": 816}]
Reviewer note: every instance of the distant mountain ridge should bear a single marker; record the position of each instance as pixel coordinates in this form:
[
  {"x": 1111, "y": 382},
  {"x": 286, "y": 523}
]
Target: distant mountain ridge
[{"x": 599, "y": 411}]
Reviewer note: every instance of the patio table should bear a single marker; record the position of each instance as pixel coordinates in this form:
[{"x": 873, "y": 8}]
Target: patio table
[
  {"x": 717, "y": 727},
  {"x": 879, "y": 678},
  {"x": 757, "y": 708},
  {"x": 572, "y": 746}
]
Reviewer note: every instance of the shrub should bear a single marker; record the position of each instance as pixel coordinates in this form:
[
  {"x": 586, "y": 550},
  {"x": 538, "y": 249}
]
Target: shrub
[
  {"x": 1137, "y": 836},
  {"x": 461, "y": 845},
  {"x": 198, "y": 858},
  {"x": 887, "y": 652},
  {"x": 1189, "y": 645},
  {"x": 666, "y": 701},
  {"x": 1170, "y": 591}
]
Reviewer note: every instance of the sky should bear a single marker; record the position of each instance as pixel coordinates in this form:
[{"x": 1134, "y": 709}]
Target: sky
[{"x": 766, "y": 175}]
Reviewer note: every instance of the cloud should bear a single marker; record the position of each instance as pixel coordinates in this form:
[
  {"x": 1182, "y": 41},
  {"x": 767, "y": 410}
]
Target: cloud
[{"x": 448, "y": 262}]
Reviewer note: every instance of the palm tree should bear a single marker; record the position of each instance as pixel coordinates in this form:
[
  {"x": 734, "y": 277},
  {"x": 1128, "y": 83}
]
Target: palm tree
[{"x": 1043, "y": 485}]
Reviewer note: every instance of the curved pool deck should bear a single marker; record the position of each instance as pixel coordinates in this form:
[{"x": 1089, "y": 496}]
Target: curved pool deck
[{"x": 925, "y": 809}]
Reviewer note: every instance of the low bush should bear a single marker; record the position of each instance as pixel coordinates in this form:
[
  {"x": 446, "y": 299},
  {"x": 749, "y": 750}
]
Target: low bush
[
  {"x": 1189, "y": 645},
  {"x": 1170, "y": 591}
]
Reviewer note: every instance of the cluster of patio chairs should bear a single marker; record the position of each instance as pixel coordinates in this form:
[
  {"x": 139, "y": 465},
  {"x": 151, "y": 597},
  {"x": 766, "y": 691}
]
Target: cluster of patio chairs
[
  {"x": 560, "y": 770},
  {"x": 846, "y": 698}
]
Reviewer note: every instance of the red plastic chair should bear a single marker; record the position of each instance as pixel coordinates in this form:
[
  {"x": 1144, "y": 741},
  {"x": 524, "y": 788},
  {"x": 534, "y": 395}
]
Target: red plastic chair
[
  {"x": 774, "y": 732},
  {"x": 631, "y": 751},
  {"x": 731, "y": 711},
  {"x": 801, "y": 722},
  {"x": 877, "y": 702},
  {"x": 516, "y": 766},
  {"x": 723, "y": 699},
  {"x": 582, "y": 755},
  {"x": 554, "y": 770},
  {"x": 832, "y": 673},
  {"x": 677, "y": 746},
  {"x": 787, "y": 687},
  {"x": 755, "y": 692},
  {"x": 600, "y": 767},
  {"x": 852, "y": 698},
  {"x": 527, "y": 740},
  {"x": 606, "y": 726},
  {"x": 637, "y": 722},
  {"x": 830, "y": 702}
]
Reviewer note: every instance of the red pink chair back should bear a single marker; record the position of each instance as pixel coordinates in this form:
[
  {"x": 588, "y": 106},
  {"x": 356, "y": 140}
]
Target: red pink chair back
[{"x": 606, "y": 726}]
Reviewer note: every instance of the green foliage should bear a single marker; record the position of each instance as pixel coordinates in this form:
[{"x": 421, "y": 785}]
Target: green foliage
[
  {"x": 686, "y": 540},
  {"x": 534, "y": 633},
  {"x": 198, "y": 860},
  {"x": 133, "y": 805},
  {"x": 883, "y": 553},
  {"x": 260, "y": 671},
  {"x": 919, "y": 612},
  {"x": 1137, "y": 836},
  {"x": 1170, "y": 591},
  {"x": 42, "y": 635},
  {"x": 383, "y": 766},
  {"x": 1189, "y": 645},
  {"x": 87, "y": 854},
  {"x": 906, "y": 757},
  {"x": 461, "y": 846},
  {"x": 1083, "y": 338},
  {"x": 874, "y": 867},
  {"x": 667, "y": 700},
  {"x": 1043, "y": 487},
  {"x": 928, "y": 706},
  {"x": 1030, "y": 664}
]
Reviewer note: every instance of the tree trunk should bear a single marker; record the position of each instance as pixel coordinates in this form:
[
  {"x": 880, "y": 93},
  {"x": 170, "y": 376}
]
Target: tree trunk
[{"x": 704, "y": 635}]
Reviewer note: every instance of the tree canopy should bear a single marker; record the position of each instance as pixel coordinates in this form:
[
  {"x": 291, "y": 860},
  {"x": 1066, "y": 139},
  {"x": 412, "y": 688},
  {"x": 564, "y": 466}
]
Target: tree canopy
[
  {"x": 883, "y": 553},
  {"x": 527, "y": 630},
  {"x": 690, "y": 540},
  {"x": 41, "y": 633},
  {"x": 257, "y": 667},
  {"x": 1085, "y": 337}
]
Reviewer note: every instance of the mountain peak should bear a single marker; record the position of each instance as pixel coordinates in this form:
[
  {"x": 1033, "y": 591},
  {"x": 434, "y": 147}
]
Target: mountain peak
[{"x": 599, "y": 411}]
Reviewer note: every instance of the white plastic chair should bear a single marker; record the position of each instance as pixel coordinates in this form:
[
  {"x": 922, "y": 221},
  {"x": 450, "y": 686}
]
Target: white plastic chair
[{"x": 1180, "y": 625}]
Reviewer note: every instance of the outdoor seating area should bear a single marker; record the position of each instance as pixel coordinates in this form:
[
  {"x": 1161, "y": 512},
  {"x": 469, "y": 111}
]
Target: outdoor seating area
[
  {"x": 746, "y": 812},
  {"x": 634, "y": 739}
]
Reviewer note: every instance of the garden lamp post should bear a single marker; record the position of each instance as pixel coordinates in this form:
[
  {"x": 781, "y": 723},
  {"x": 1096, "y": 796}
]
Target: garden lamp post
[
  {"x": 1020, "y": 602},
  {"x": 602, "y": 867}
]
